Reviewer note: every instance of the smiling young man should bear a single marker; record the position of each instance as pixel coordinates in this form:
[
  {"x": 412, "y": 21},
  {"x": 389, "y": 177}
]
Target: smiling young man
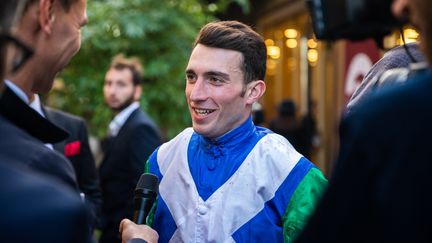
[{"x": 225, "y": 179}]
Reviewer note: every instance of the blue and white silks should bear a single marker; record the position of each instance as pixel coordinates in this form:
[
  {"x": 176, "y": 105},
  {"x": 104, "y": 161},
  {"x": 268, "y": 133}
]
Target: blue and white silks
[{"x": 232, "y": 189}]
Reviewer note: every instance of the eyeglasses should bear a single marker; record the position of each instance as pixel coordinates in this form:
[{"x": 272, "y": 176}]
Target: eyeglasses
[{"x": 17, "y": 53}]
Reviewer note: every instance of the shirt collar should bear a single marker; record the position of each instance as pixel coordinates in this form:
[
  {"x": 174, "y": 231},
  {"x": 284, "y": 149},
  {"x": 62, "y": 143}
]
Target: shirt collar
[
  {"x": 120, "y": 119},
  {"x": 231, "y": 141},
  {"x": 36, "y": 105},
  {"x": 18, "y": 91}
]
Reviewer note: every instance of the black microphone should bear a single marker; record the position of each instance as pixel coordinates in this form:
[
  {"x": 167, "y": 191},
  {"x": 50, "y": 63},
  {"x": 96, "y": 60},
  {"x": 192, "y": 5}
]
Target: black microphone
[{"x": 145, "y": 195}]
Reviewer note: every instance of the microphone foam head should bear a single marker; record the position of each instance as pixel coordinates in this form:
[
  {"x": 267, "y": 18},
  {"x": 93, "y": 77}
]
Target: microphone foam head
[{"x": 148, "y": 181}]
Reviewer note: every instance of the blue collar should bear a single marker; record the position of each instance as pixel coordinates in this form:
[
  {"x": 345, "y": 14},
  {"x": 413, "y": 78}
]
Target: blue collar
[{"x": 231, "y": 142}]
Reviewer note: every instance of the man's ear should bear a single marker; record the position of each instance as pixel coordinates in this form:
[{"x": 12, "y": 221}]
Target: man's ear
[
  {"x": 46, "y": 15},
  {"x": 255, "y": 90},
  {"x": 137, "y": 92}
]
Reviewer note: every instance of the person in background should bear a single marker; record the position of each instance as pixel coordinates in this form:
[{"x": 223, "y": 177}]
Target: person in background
[
  {"x": 286, "y": 123},
  {"x": 132, "y": 137},
  {"x": 379, "y": 190},
  {"x": 225, "y": 179},
  {"x": 77, "y": 149},
  {"x": 258, "y": 115},
  {"x": 309, "y": 134}
]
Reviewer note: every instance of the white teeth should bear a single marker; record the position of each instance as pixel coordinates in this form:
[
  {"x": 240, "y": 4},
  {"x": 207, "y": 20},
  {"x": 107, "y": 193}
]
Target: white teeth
[{"x": 203, "y": 111}]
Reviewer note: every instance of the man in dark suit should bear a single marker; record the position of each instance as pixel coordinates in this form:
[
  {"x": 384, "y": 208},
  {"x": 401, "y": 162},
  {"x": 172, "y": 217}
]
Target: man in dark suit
[
  {"x": 133, "y": 137},
  {"x": 380, "y": 188},
  {"x": 36, "y": 156},
  {"x": 34, "y": 207},
  {"x": 60, "y": 34},
  {"x": 77, "y": 149}
]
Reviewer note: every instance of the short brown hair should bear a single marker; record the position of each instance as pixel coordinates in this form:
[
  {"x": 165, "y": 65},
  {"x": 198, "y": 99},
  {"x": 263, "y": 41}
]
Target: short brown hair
[
  {"x": 234, "y": 35},
  {"x": 120, "y": 62}
]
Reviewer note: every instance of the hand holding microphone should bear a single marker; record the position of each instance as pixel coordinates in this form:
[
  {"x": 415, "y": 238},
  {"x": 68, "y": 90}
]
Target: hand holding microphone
[{"x": 145, "y": 196}]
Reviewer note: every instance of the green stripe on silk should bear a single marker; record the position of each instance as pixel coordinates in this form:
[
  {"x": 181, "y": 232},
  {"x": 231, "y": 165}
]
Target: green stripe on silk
[
  {"x": 153, "y": 210},
  {"x": 303, "y": 203}
]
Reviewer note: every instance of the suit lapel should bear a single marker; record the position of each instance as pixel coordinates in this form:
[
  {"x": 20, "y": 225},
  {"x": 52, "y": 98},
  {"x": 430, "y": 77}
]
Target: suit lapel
[
  {"x": 111, "y": 141},
  {"x": 28, "y": 119},
  {"x": 59, "y": 147},
  {"x": 128, "y": 122}
]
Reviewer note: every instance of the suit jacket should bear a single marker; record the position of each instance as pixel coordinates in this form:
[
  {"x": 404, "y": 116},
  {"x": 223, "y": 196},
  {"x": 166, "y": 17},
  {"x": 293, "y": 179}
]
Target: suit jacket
[
  {"x": 380, "y": 190},
  {"x": 37, "y": 209},
  {"x": 39, "y": 201},
  {"x": 76, "y": 148},
  {"x": 123, "y": 163},
  {"x": 24, "y": 140}
]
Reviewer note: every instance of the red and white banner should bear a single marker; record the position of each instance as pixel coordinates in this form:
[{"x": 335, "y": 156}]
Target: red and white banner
[{"x": 359, "y": 58}]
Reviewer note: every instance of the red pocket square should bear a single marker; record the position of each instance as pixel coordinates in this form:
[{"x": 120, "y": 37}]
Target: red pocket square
[{"x": 72, "y": 149}]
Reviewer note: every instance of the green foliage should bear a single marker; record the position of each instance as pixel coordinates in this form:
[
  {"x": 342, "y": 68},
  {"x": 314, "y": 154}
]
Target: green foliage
[{"x": 160, "y": 33}]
